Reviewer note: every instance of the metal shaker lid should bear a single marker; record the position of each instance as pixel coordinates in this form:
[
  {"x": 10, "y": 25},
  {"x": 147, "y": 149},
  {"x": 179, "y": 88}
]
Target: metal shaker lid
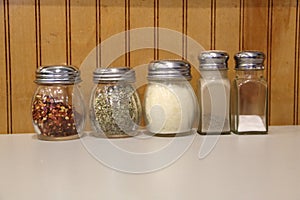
[
  {"x": 249, "y": 60},
  {"x": 213, "y": 60},
  {"x": 57, "y": 74},
  {"x": 169, "y": 69},
  {"x": 114, "y": 74}
]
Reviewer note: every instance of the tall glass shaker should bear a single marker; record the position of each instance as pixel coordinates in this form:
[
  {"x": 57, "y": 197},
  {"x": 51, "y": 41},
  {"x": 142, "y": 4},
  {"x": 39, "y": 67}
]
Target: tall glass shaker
[
  {"x": 57, "y": 104},
  {"x": 249, "y": 95},
  {"x": 170, "y": 101},
  {"x": 214, "y": 93},
  {"x": 115, "y": 108}
]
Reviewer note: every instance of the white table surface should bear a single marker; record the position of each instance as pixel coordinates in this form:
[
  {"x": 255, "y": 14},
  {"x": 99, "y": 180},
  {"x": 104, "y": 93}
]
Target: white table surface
[{"x": 238, "y": 167}]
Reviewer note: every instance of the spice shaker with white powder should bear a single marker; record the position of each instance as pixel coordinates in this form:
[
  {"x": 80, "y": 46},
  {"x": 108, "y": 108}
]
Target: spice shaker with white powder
[
  {"x": 214, "y": 93},
  {"x": 249, "y": 95},
  {"x": 170, "y": 102}
]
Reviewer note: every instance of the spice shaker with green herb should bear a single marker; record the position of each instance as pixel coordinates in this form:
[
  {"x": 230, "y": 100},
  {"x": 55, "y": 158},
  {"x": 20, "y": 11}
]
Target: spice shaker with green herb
[
  {"x": 115, "y": 108},
  {"x": 57, "y": 105}
]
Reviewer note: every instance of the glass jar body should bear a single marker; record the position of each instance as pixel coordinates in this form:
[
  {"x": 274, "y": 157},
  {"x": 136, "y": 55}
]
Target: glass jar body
[
  {"x": 115, "y": 109},
  {"x": 249, "y": 103},
  {"x": 214, "y": 101},
  {"x": 170, "y": 107},
  {"x": 58, "y": 112}
]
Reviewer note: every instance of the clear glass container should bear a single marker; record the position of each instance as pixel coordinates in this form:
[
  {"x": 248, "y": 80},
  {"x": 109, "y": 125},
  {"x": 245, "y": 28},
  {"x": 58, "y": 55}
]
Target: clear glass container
[
  {"x": 249, "y": 95},
  {"x": 115, "y": 108},
  {"x": 170, "y": 102},
  {"x": 57, "y": 105},
  {"x": 214, "y": 93}
]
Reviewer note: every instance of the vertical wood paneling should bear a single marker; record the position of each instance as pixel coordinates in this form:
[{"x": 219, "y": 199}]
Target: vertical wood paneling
[
  {"x": 198, "y": 29},
  {"x": 36, "y": 32},
  {"x": 170, "y": 16},
  {"x": 227, "y": 29},
  {"x": 53, "y": 32},
  {"x": 141, "y": 17},
  {"x": 199, "y": 22},
  {"x": 83, "y": 30},
  {"x": 113, "y": 22},
  {"x": 282, "y": 62},
  {"x": 23, "y": 62},
  {"x": 8, "y": 66},
  {"x": 297, "y": 67},
  {"x": 3, "y": 88},
  {"x": 255, "y": 25}
]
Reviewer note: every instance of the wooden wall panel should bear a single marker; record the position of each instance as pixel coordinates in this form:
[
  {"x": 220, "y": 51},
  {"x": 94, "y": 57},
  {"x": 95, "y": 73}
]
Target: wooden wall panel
[
  {"x": 297, "y": 68},
  {"x": 255, "y": 27},
  {"x": 3, "y": 86},
  {"x": 36, "y": 32},
  {"x": 282, "y": 62},
  {"x": 53, "y": 32},
  {"x": 82, "y": 30},
  {"x": 170, "y": 16},
  {"x": 199, "y": 19},
  {"x": 23, "y": 62},
  {"x": 227, "y": 29},
  {"x": 141, "y": 17},
  {"x": 112, "y": 16}
]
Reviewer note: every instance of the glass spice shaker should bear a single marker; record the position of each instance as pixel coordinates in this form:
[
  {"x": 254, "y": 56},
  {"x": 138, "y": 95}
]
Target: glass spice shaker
[
  {"x": 249, "y": 95},
  {"x": 170, "y": 101},
  {"x": 115, "y": 108},
  {"x": 214, "y": 93},
  {"x": 57, "y": 105}
]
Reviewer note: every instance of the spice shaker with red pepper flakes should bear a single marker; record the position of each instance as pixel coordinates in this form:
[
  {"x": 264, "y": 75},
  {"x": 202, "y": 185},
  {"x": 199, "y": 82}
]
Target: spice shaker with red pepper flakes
[{"x": 57, "y": 105}]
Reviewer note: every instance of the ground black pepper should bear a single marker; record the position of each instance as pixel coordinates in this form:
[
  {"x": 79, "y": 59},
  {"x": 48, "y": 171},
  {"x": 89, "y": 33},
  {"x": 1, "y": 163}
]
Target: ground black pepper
[{"x": 53, "y": 117}]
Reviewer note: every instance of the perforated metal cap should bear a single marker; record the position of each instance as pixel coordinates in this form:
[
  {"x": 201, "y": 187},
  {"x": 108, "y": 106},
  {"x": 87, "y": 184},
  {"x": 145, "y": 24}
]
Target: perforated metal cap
[
  {"x": 213, "y": 60},
  {"x": 169, "y": 69},
  {"x": 249, "y": 60},
  {"x": 114, "y": 74},
  {"x": 57, "y": 74}
]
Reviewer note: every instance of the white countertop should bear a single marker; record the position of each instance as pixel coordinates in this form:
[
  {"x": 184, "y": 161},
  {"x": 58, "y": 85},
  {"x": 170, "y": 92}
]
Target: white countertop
[{"x": 238, "y": 167}]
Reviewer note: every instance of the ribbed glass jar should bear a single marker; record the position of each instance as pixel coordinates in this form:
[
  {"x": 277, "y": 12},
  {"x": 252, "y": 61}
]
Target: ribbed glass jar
[
  {"x": 57, "y": 105},
  {"x": 115, "y": 108},
  {"x": 249, "y": 108},
  {"x": 214, "y": 93},
  {"x": 170, "y": 101}
]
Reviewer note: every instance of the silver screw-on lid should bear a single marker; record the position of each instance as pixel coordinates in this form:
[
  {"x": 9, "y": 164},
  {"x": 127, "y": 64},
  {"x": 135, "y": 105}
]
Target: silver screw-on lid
[
  {"x": 57, "y": 74},
  {"x": 213, "y": 60},
  {"x": 114, "y": 74},
  {"x": 169, "y": 69},
  {"x": 249, "y": 60}
]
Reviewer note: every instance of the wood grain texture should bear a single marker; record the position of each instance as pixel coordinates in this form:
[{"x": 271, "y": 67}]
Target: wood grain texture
[
  {"x": 23, "y": 63},
  {"x": 141, "y": 42},
  {"x": 82, "y": 30},
  {"x": 227, "y": 29},
  {"x": 3, "y": 86},
  {"x": 282, "y": 62},
  {"x": 53, "y": 28},
  {"x": 38, "y": 32},
  {"x": 255, "y": 27},
  {"x": 112, "y": 16},
  {"x": 199, "y": 18},
  {"x": 170, "y": 16},
  {"x": 297, "y": 68},
  {"x": 142, "y": 18}
]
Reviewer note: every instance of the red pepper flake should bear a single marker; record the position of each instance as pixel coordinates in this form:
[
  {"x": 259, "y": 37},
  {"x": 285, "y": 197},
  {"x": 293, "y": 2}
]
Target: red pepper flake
[{"x": 53, "y": 118}]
